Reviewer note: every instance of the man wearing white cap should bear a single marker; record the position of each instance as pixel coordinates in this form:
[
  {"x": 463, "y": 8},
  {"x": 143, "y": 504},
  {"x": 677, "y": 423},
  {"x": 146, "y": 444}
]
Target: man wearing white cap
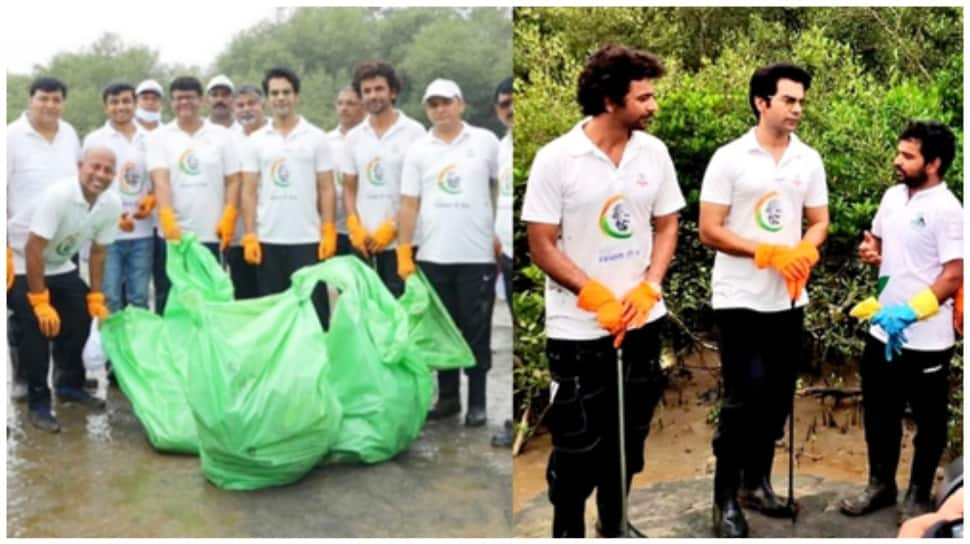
[
  {"x": 447, "y": 185},
  {"x": 219, "y": 95},
  {"x": 149, "y": 95},
  {"x": 195, "y": 169},
  {"x": 372, "y": 163}
]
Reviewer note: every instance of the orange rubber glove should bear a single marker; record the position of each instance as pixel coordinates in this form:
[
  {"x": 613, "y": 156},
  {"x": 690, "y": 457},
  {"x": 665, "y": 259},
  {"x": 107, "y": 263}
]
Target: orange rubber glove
[
  {"x": 170, "y": 227},
  {"x": 145, "y": 207},
  {"x": 405, "y": 263},
  {"x": 596, "y": 297},
  {"x": 641, "y": 299},
  {"x": 10, "y": 273},
  {"x": 958, "y": 311},
  {"x": 47, "y": 318},
  {"x": 328, "y": 241},
  {"x": 125, "y": 223},
  {"x": 226, "y": 227},
  {"x": 358, "y": 235},
  {"x": 784, "y": 260},
  {"x": 96, "y": 306},
  {"x": 252, "y": 252},
  {"x": 383, "y": 236}
]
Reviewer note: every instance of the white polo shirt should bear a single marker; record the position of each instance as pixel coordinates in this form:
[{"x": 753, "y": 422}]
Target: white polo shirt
[
  {"x": 503, "y": 205},
  {"x": 453, "y": 181},
  {"x": 336, "y": 140},
  {"x": 64, "y": 218},
  {"x": 604, "y": 213},
  {"x": 197, "y": 167},
  {"x": 287, "y": 210},
  {"x": 378, "y": 163},
  {"x": 131, "y": 181},
  {"x": 919, "y": 235},
  {"x": 767, "y": 200},
  {"x": 33, "y": 163}
]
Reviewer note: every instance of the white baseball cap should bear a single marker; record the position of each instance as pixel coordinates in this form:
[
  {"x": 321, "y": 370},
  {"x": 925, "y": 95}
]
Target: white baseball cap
[
  {"x": 442, "y": 88},
  {"x": 149, "y": 85},
  {"x": 220, "y": 81}
]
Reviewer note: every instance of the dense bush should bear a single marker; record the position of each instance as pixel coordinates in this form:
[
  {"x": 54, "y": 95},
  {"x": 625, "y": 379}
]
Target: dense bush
[{"x": 860, "y": 100}]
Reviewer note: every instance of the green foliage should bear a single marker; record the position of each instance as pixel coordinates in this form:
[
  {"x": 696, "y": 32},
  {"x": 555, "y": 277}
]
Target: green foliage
[
  {"x": 469, "y": 45},
  {"x": 866, "y": 87}
]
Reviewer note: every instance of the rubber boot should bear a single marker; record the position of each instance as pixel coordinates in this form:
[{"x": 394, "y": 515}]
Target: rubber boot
[
  {"x": 727, "y": 517},
  {"x": 880, "y": 492},
  {"x": 476, "y": 415},
  {"x": 756, "y": 491}
]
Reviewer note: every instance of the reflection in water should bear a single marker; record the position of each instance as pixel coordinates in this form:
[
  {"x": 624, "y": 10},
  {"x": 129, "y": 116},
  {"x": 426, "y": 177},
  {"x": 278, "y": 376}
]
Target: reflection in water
[{"x": 100, "y": 477}]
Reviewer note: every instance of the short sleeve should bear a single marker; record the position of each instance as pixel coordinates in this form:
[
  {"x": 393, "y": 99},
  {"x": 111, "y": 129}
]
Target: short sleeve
[
  {"x": 230, "y": 156},
  {"x": 718, "y": 184},
  {"x": 669, "y": 197},
  {"x": 323, "y": 159},
  {"x": 249, "y": 156},
  {"x": 155, "y": 151},
  {"x": 491, "y": 154},
  {"x": 949, "y": 234},
  {"x": 411, "y": 174},
  {"x": 47, "y": 215},
  {"x": 543, "y": 200},
  {"x": 877, "y": 220},
  {"x": 817, "y": 193}
]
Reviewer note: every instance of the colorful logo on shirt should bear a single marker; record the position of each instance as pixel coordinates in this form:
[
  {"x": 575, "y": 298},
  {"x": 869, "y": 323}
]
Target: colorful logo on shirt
[
  {"x": 129, "y": 179},
  {"x": 65, "y": 248},
  {"x": 449, "y": 181},
  {"x": 615, "y": 220},
  {"x": 279, "y": 173},
  {"x": 375, "y": 173},
  {"x": 919, "y": 220},
  {"x": 189, "y": 163},
  {"x": 768, "y": 212}
]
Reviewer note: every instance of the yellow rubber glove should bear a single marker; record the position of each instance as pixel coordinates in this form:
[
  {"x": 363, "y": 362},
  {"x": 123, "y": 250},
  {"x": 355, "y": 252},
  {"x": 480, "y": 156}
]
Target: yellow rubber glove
[
  {"x": 924, "y": 304},
  {"x": 125, "y": 223},
  {"x": 47, "y": 318},
  {"x": 405, "y": 263},
  {"x": 383, "y": 236},
  {"x": 328, "y": 241},
  {"x": 226, "y": 227},
  {"x": 252, "y": 252},
  {"x": 958, "y": 311},
  {"x": 358, "y": 235},
  {"x": 145, "y": 207},
  {"x": 865, "y": 309},
  {"x": 641, "y": 299},
  {"x": 169, "y": 225},
  {"x": 10, "y": 273},
  {"x": 96, "y": 306},
  {"x": 596, "y": 297}
]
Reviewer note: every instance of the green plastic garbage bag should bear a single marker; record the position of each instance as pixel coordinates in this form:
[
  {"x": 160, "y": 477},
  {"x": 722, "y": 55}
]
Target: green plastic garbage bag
[
  {"x": 435, "y": 339},
  {"x": 258, "y": 388},
  {"x": 384, "y": 391},
  {"x": 148, "y": 353}
]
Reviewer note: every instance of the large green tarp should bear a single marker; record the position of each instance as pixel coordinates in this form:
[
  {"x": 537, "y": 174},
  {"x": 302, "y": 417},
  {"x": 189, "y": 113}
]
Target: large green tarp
[{"x": 260, "y": 390}]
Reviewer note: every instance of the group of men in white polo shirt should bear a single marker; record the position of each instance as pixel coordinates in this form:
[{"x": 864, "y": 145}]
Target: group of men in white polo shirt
[{"x": 259, "y": 193}]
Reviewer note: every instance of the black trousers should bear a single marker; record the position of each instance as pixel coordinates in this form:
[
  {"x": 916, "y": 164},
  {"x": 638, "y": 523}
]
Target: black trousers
[
  {"x": 245, "y": 277},
  {"x": 282, "y": 260},
  {"x": 507, "y": 275},
  {"x": 919, "y": 378},
  {"x": 468, "y": 292},
  {"x": 67, "y": 294},
  {"x": 584, "y": 423},
  {"x": 385, "y": 265},
  {"x": 760, "y": 353}
]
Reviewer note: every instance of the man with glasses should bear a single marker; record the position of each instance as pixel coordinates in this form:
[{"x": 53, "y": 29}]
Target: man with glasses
[{"x": 754, "y": 194}]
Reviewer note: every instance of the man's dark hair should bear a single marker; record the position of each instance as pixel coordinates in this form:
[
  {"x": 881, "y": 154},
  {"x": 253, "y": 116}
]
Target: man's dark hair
[
  {"x": 608, "y": 73},
  {"x": 504, "y": 88},
  {"x": 764, "y": 82},
  {"x": 186, "y": 83},
  {"x": 249, "y": 90},
  {"x": 48, "y": 85},
  {"x": 936, "y": 141},
  {"x": 280, "y": 72},
  {"x": 116, "y": 88},
  {"x": 373, "y": 69}
]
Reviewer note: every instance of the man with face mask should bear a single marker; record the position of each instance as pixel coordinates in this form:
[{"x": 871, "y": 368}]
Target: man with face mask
[
  {"x": 148, "y": 114},
  {"x": 219, "y": 96},
  {"x": 917, "y": 243},
  {"x": 41, "y": 148},
  {"x": 372, "y": 162},
  {"x": 49, "y": 300},
  {"x": 350, "y": 112}
]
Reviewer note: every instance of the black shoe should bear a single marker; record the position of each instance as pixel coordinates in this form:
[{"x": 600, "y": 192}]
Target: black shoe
[
  {"x": 80, "y": 397},
  {"x": 444, "y": 408},
  {"x": 42, "y": 418},
  {"x": 876, "y": 496},
  {"x": 504, "y": 438},
  {"x": 728, "y": 519},
  {"x": 631, "y": 532},
  {"x": 763, "y": 499},
  {"x": 475, "y": 417},
  {"x": 917, "y": 502}
]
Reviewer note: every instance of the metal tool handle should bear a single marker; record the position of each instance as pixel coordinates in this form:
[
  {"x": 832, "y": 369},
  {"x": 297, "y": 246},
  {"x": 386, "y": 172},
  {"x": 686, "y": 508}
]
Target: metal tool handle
[{"x": 621, "y": 412}]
